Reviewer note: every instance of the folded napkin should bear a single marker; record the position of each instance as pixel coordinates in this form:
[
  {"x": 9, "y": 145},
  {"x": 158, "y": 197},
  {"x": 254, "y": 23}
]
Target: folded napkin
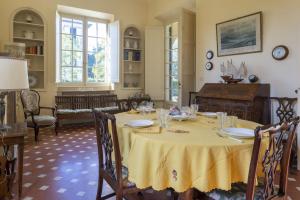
[
  {"x": 177, "y": 131},
  {"x": 150, "y": 130},
  {"x": 133, "y": 111}
]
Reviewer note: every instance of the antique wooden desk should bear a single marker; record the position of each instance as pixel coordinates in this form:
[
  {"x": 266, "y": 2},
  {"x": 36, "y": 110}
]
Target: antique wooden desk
[
  {"x": 15, "y": 136},
  {"x": 247, "y": 101}
]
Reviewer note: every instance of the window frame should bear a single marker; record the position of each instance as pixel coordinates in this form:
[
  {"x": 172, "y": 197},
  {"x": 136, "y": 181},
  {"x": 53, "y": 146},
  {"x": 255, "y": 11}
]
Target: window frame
[
  {"x": 168, "y": 75},
  {"x": 84, "y": 83}
]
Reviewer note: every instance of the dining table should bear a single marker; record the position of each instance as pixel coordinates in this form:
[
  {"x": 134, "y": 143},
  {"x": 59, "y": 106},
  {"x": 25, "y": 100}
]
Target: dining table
[{"x": 186, "y": 154}]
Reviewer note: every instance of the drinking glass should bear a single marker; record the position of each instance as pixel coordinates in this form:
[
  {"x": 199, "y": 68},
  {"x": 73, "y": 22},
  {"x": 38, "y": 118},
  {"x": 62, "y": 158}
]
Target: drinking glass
[
  {"x": 194, "y": 109},
  {"x": 221, "y": 116},
  {"x": 232, "y": 121},
  {"x": 163, "y": 118}
]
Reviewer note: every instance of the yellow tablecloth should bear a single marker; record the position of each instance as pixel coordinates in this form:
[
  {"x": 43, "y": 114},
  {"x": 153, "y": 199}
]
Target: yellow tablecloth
[{"x": 199, "y": 159}]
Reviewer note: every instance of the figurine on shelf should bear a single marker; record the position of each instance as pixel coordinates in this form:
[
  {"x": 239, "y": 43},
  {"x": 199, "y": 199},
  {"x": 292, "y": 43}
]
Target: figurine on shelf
[
  {"x": 242, "y": 71},
  {"x": 230, "y": 74}
]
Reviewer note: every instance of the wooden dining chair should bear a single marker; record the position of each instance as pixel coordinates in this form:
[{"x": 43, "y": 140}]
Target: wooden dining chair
[
  {"x": 285, "y": 111},
  {"x": 124, "y": 105},
  {"x": 276, "y": 157},
  {"x": 136, "y": 102},
  {"x": 112, "y": 171}
]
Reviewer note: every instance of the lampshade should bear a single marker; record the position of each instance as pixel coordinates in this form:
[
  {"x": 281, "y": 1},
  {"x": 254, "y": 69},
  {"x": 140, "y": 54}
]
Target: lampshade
[{"x": 13, "y": 74}]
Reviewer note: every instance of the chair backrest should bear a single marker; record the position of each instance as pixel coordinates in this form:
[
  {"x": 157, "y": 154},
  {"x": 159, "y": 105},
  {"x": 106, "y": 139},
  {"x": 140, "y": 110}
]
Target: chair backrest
[
  {"x": 281, "y": 137},
  {"x": 31, "y": 101},
  {"x": 285, "y": 110},
  {"x": 136, "y": 102},
  {"x": 124, "y": 105},
  {"x": 108, "y": 143}
]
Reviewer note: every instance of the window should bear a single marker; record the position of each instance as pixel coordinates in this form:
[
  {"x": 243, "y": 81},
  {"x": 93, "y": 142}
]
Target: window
[
  {"x": 171, "y": 63},
  {"x": 83, "y": 51}
]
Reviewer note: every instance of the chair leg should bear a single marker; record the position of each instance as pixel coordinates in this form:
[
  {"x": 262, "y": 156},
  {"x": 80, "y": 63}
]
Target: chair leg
[
  {"x": 174, "y": 195},
  {"x": 119, "y": 196},
  {"x": 100, "y": 185},
  {"x": 36, "y": 133},
  {"x": 56, "y": 125}
]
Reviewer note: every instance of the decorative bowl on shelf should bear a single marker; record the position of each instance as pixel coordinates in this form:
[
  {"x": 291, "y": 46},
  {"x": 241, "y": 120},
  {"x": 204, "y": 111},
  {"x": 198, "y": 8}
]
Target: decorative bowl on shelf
[{"x": 229, "y": 79}]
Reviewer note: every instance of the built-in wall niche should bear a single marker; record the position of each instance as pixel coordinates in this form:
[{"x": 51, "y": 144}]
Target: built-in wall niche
[
  {"x": 29, "y": 28},
  {"x": 133, "y": 64}
]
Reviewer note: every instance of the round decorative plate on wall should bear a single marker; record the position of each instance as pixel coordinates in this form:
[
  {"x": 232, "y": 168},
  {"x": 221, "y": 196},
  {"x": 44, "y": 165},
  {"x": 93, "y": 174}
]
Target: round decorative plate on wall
[
  {"x": 209, "y": 55},
  {"x": 280, "y": 52},
  {"x": 209, "y": 66}
]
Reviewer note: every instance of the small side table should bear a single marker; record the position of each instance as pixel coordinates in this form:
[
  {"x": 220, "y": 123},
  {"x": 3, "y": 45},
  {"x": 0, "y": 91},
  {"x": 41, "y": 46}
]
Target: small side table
[{"x": 15, "y": 136}]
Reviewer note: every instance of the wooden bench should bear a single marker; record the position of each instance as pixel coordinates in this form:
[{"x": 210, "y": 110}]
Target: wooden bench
[{"x": 79, "y": 107}]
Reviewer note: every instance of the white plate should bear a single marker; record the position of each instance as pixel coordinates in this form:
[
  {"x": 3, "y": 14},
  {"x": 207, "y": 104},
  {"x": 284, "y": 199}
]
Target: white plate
[
  {"x": 140, "y": 123},
  {"x": 145, "y": 109},
  {"x": 209, "y": 114},
  {"x": 180, "y": 117},
  {"x": 239, "y": 132}
]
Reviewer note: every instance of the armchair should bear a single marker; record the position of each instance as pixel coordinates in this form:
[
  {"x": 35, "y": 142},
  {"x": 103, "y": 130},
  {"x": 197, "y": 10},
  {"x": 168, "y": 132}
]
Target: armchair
[{"x": 31, "y": 104}]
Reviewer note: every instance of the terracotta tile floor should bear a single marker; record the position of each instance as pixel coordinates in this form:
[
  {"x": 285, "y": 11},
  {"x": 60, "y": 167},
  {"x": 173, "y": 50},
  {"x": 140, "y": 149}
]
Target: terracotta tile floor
[{"x": 64, "y": 167}]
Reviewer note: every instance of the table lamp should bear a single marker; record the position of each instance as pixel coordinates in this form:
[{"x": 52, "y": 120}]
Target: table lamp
[{"x": 14, "y": 77}]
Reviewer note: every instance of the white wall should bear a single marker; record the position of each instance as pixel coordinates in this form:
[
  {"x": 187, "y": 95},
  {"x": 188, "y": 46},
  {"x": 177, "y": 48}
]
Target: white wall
[
  {"x": 160, "y": 7},
  {"x": 281, "y": 25}
]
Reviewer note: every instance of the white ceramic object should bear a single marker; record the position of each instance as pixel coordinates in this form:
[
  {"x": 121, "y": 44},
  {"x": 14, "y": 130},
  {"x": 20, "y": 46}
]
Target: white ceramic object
[
  {"x": 32, "y": 80},
  {"x": 29, "y": 34},
  {"x": 145, "y": 109},
  {"x": 29, "y": 18},
  {"x": 135, "y": 45},
  {"x": 140, "y": 123},
  {"x": 127, "y": 44},
  {"x": 239, "y": 132},
  {"x": 180, "y": 117}
]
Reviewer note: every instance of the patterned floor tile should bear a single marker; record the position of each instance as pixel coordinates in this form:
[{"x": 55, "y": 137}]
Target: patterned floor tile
[{"x": 63, "y": 167}]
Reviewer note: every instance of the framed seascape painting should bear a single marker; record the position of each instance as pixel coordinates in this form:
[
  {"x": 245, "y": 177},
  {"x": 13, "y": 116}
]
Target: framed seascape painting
[{"x": 240, "y": 36}]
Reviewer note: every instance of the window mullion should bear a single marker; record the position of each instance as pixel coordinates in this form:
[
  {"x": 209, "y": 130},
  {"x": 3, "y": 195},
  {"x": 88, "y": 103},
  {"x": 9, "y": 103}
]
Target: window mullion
[
  {"x": 84, "y": 51},
  {"x": 60, "y": 48}
]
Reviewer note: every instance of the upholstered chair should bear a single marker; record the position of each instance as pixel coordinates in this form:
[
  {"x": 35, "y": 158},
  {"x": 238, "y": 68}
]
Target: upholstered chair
[{"x": 31, "y": 105}]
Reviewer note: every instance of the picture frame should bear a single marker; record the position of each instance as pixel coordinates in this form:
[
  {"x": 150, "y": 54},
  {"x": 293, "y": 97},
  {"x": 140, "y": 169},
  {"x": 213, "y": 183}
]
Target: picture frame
[{"x": 241, "y": 35}]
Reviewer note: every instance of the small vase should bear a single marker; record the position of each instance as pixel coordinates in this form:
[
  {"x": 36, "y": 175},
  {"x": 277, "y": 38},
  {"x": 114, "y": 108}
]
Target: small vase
[
  {"x": 135, "y": 45},
  {"x": 29, "y": 18},
  {"x": 130, "y": 68},
  {"x": 127, "y": 44}
]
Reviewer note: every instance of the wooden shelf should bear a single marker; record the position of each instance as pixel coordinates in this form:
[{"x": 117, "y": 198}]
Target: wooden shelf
[
  {"x": 132, "y": 37},
  {"x": 132, "y": 88},
  {"x": 29, "y": 24},
  {"x": 133, "y": 73},
  {"x": 37, "y": 61},
  {"x": 34, "y": 55},
  {"x": 134, "y": 61},
  {"x": 26, "y": 39},
  {"x": 132, "y": 49},
  {"x": 133, "y": 69},
  {"x": 36, "y": 70}
]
